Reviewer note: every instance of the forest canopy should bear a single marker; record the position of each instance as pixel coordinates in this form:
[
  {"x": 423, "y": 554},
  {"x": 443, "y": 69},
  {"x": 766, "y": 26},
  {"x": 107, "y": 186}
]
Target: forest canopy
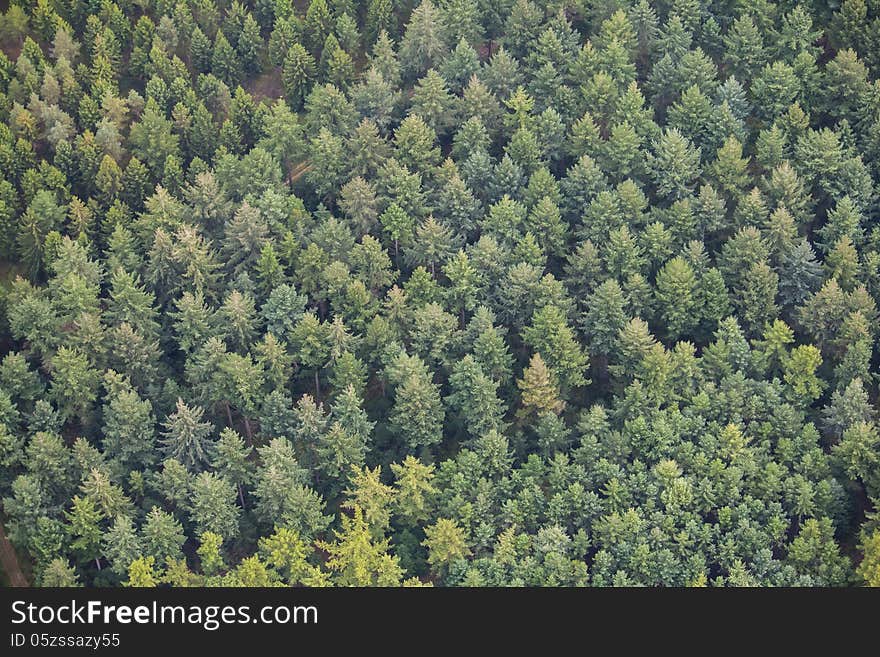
[{"x": 450, "y": 292}]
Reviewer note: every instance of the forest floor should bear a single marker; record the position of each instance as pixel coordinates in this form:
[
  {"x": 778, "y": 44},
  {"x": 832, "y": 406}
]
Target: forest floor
[
  {"x": 8, "y": 272},
  {"x": 9, "y": 560},
  {"x": 266, "y": 85}
]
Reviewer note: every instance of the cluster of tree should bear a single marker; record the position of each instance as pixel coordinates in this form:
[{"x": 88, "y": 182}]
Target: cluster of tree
[{"x": 523, "y": 292}]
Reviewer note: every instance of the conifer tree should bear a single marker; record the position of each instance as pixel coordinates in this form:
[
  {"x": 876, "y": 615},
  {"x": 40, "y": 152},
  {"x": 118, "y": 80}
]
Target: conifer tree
[
  {"x": 298, "y": 74},
  {"x": 423, "y": 43},
  {"x": 539, "y": 390},
  {"x": 677, "y": 296},
  {"x": 418, "y": 414},
  {"x": 224, "y": 61},
  {"x": 249, "y": 46},
  {"x": 186, "y": 436}
]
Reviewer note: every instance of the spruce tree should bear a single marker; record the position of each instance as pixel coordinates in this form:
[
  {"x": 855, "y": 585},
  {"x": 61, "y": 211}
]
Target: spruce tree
[{"x": 186, "y": 436}]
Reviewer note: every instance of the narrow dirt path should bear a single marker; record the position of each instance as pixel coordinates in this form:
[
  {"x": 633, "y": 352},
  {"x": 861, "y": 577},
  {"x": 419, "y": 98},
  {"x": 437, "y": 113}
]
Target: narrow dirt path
[
  {"x": 10, "y": 562},
  {"x": 298, "y": 171}
]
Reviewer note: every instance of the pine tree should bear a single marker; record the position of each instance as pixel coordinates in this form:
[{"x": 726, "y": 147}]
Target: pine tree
[
  {"x": 75, "y": 381},
  {"x": 162, "y": 535},
  {"x": 229, "y": 457},
  {"x": 844, "y": 220},
  {"x": 413, "y": 488},
  {"x": 539, "y": 390},
  {"x": 238, "y": 318},
  {"x": 272, "y": 357},
  {"x": 546, "y": 223},
  {"x": 310, "y": 348},
  {"x": 816, "y": 555},
  {"x": 464, "y": 280},
  {"x": 730, "y": 168},
  {"x": 122, "y": 545},
  {"x": 369, "y": 494},
  {"x": 744, "y": 48},
  {"x": 415, "y": 142},
  {"x": 269, "y": 271},
  {"x": 200, "y": 50},
  {"x": 281, "y": 494},
  {"x": 418, "y": 414},
  {"x": 109, "y": 180},
  {"x": 286, "y": 552},
  {"x": 58, "y": 573},
  {"x": 491, "y": 352},
  {"x": 186, "y": 436},
  {"x": 756, "y": 300},
  {"x": 869, "y": 568},
  {"x": 212, "y": 505},
  {"x": 244, "y": 237},
  {"x": 249, "y": 46},
  {"x": 42, "y": 216},
  {"x": 385, "y": 60},
  {"x": 317, "y": 26},
  {"x": 336, "y": 64},
  {"x": 460, "y": 21},
  {"x": 581, "y": 184},
  {"x": 474, "y": 397},
  {"x": 446, "y": 543},
  {"x": 130, "y": 302},
  {"x": 85, "y": 519},
  {"x": 380, "y": 19},
  {"x": 224, "y": 61},
  {"x": 848, "y": 407},
  {"x": 367, "y": 148},
  {"x": 677, "y": 297},
  {"x": 432, "y": 244},
  {"x": 356, "y": 558},
  {"x": 423, "y": 44},
  {"x": 432, "y": 101},
  {"x": 298, "y": 75},
  {"x": 604, "y": 317},
  {"x": 800, "y": 373},
  {"x": 129, "y": 426},
  {"x": 142, "y": 573},
  {"x": 675, "y": 164},
  {"x": 328, "y": 163},
  {"x": 550, "y": 335},
  {"x": 338, "y": 450},
  {"x": 799, "y": 273},
  {"x": 461, "y": 67},
  {"x": 210, "y": 558}
]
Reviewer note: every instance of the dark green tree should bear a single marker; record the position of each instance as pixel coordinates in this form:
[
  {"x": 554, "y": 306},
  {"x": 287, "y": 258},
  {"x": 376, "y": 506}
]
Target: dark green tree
[{"x": 186, "y": 436}]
